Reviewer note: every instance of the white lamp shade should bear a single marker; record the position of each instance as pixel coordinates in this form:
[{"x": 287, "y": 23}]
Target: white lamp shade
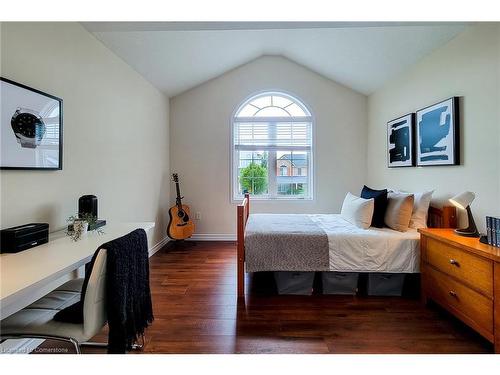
[{"x": 463, "y": 200}]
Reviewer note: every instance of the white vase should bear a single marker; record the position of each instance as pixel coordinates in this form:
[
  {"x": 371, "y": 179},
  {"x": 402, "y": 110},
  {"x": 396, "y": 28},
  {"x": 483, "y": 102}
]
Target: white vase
[
  {"x": 80, "y": 228},
  {"x": 85, "y": 227}
]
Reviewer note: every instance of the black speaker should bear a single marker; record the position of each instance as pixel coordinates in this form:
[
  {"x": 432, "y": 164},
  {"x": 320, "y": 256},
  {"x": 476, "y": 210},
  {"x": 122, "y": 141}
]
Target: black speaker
[
  {"x": 87, "y": 204},
  {"x": 16, "y": 239}
]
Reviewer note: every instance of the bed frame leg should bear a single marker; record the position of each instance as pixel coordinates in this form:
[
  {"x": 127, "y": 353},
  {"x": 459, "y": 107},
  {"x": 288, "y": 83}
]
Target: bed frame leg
[{"x": 241, "y": 283}]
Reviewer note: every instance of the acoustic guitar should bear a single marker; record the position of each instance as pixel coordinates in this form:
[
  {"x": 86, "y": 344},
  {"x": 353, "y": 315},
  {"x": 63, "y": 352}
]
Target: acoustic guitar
[{"x": 180, "y": 226}]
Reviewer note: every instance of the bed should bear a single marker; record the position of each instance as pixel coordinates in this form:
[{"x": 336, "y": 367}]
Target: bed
[{"x": 326, "y": 242}]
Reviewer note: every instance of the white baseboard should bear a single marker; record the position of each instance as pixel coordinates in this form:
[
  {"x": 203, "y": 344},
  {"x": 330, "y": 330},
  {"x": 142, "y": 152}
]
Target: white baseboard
[
  {"x": 212, "y": 237},
  {"x": 158, "y": 246}
]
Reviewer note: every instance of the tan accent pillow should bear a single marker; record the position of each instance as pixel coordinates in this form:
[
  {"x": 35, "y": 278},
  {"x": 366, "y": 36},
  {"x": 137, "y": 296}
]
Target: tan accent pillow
[{"x": 399, "y": 210}]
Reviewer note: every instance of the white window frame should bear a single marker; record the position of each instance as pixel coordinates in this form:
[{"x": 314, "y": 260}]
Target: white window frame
[{"x": 236, "y": 197}]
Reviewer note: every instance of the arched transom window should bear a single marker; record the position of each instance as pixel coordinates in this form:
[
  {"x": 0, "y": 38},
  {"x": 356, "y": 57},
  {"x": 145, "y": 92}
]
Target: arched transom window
[{"x": 272, "y": 148}]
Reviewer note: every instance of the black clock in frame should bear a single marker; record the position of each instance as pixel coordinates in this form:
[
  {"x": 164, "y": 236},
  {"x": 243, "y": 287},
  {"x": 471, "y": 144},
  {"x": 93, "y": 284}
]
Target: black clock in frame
[{"x": 28, "y": 127}]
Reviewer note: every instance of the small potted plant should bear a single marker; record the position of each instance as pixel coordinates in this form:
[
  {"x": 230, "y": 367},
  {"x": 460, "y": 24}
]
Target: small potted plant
[{"x": 80, "y": 224}]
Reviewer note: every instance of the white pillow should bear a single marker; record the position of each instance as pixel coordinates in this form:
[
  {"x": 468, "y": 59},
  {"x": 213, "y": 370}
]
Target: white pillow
[
  {"x": 358, "y": 211},
  {"x": 420, "y": 209}
]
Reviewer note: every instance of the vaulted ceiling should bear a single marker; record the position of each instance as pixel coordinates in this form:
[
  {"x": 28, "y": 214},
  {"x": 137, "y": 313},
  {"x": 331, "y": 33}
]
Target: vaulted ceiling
[{"x": 176, "y": 56}]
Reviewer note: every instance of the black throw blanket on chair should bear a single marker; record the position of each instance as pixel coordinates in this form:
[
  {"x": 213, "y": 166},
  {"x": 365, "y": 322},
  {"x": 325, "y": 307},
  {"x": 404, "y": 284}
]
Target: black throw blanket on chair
[{"x": 128, "y": 296}]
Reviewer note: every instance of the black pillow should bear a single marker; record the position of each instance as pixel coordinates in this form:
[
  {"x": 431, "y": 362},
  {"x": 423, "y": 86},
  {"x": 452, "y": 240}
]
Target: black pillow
[{"x": 380, "y": 197}]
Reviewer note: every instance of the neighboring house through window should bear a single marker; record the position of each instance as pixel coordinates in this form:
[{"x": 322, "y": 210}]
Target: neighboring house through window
[{"x": 272, "y": 148}]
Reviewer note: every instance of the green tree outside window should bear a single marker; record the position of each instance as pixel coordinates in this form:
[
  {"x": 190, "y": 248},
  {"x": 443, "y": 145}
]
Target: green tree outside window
[{"x": 254, "y": 179}]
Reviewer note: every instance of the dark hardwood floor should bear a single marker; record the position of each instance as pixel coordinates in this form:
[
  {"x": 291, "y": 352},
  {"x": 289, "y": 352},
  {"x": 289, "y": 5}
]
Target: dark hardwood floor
[{"x": 196, "y": 311}]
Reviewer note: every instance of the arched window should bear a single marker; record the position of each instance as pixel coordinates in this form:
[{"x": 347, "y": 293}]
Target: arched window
[{"x": 272, "y": 135}]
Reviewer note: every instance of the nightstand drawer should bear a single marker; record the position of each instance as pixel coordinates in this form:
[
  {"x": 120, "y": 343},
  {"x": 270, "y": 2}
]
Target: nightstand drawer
[
  {"x": 472, "y": 307},
  {"x": 467, "y": 267}
]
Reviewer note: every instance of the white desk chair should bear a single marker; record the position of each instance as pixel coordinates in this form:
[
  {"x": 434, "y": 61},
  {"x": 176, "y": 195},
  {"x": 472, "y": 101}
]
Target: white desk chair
[{"x": 36, "y": 320}]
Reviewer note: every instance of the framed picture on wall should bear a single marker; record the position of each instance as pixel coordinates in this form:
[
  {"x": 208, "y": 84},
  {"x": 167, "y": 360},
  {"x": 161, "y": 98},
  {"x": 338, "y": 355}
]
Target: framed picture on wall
[
  {"x": 31, "y": 128},
  {"x": 400, "y": 141},
  {"x": 438, "y": 134}
]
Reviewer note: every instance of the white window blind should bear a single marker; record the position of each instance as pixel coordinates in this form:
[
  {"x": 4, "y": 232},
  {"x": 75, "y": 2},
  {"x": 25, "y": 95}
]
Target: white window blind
[{"x": 272, "y": 135}]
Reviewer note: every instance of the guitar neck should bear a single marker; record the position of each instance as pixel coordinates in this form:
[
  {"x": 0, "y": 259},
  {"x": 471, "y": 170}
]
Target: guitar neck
[{"x": 178, "y": 189}]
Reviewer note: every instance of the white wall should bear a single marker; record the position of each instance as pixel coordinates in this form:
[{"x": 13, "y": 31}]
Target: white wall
[
  {"x": 116, "y": 134},
  {"x": 468, "y": 67},
  {"x": 200, "y": 140}
]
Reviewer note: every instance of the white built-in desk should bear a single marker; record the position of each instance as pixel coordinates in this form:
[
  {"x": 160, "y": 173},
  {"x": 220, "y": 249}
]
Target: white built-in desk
[{"x": 28, "y": 275}]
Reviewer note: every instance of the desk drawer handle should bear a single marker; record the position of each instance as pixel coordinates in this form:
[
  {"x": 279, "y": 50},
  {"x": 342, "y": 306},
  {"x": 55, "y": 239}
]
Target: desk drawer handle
[
  {"x": 453, "y": 294},
  {"x": 454, "y": 262}
]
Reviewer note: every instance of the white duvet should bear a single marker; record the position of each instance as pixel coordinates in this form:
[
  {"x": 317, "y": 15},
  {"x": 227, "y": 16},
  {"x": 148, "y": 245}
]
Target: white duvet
[{"x": 369, "y": 250}]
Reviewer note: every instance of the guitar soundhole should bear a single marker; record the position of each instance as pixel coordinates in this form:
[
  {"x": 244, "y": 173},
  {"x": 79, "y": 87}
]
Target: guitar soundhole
[{"x": 183, "y": 215}]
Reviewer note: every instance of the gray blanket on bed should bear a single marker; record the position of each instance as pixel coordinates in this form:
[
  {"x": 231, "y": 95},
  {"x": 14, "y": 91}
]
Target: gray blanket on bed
[{"x": 285, "y": 243}]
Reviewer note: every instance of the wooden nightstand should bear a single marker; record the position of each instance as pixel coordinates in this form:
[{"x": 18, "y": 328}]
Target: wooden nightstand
[{"x": 463, "y": 276}]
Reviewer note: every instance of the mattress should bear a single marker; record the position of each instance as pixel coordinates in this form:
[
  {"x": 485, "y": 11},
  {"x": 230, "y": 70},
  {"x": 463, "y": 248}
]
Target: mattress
[{"x": 352, "y": 249}]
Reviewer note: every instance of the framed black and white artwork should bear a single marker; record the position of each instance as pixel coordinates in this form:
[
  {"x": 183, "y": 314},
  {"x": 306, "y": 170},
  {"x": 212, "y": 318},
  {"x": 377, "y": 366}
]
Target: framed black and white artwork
[
  {"x": 400, "y": 134},
  {"x": 438, "y": 134},
  {"x": 30, "y": 128}
]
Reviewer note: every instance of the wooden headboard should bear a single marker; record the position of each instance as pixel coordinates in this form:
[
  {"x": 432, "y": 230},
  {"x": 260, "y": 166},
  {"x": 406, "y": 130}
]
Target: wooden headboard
[{"x": 445, "y": 217}]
